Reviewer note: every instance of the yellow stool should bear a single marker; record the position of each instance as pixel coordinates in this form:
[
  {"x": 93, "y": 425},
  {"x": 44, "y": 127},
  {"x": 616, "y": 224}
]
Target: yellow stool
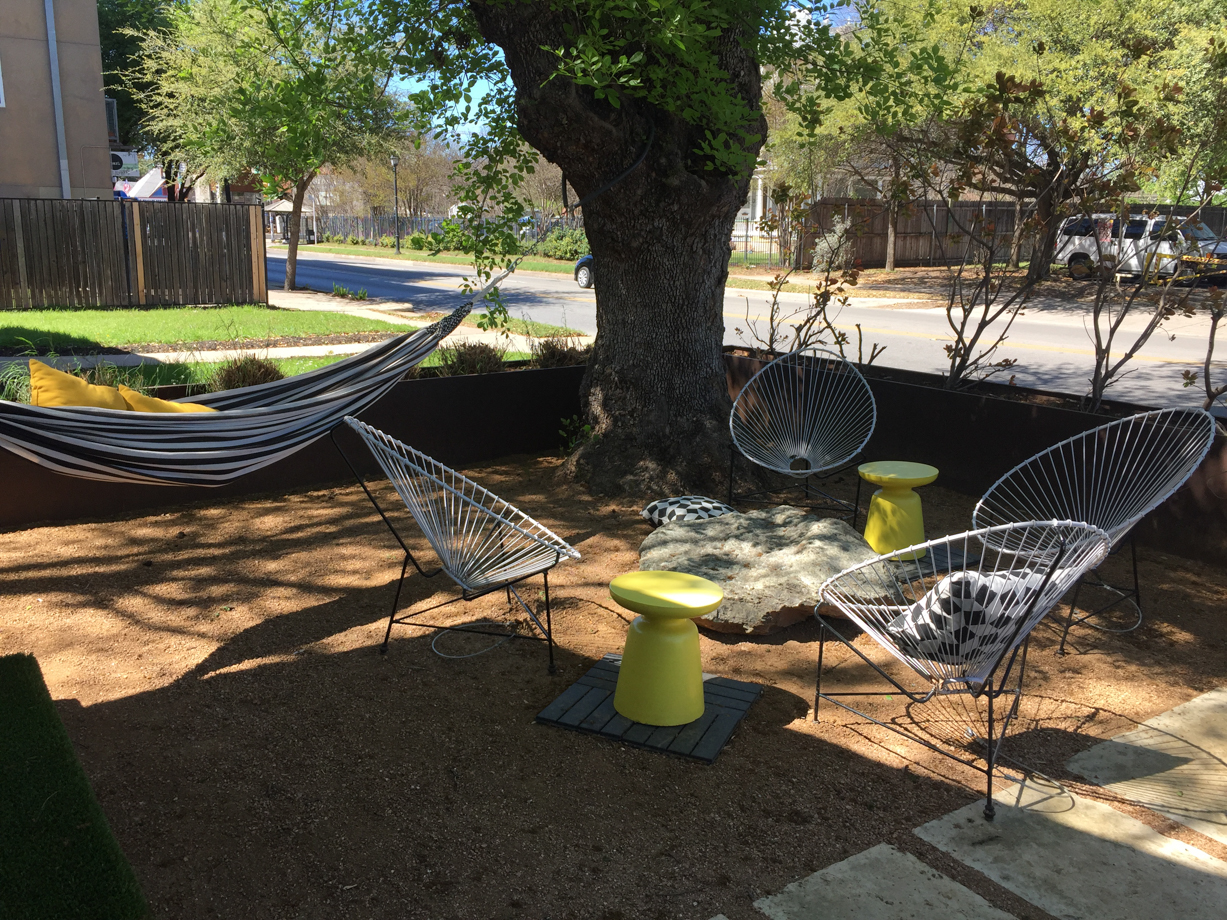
[
  {"x": 895, "y": 519},
  {"x": 661, "y": 678}
]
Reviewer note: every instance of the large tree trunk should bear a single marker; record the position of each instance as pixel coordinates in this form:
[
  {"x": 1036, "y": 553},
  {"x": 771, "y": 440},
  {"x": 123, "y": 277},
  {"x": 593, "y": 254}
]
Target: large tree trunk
[
  {"x": 1016, "y": 238},
  {"x": 655, "y": 389}
]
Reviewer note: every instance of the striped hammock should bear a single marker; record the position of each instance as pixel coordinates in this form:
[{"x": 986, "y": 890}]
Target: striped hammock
[{"x": 254, "y": 426}]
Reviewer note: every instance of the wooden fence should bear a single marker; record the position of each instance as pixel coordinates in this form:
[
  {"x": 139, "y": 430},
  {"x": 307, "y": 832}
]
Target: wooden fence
[
  {"x": 933, "y": 232},
  {"x": 93, "y": 253}
]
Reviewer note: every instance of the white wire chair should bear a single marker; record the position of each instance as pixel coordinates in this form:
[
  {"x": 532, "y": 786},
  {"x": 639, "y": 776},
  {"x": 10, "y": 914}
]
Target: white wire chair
[
  {"x": 964, "y": 634},
  {"x": 807, "y": 413},
  {"x": 1111, "y": 476},
  {"x": 483, "y": 543}
]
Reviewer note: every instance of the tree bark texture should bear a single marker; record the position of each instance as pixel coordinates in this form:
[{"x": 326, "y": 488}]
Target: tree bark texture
[
  {"x": 655, "y": 390},
  {"x": 291, "y": 255}
]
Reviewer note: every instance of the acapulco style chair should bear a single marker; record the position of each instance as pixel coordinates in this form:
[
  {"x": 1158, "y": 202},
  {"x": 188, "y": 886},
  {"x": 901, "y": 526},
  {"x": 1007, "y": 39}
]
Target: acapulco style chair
[
  {"x": 807, "y": 413},
  {"x": 483, "y": 543},
  {"x": 1111, "y": 476},
  {"x": 964, "y": 633}
]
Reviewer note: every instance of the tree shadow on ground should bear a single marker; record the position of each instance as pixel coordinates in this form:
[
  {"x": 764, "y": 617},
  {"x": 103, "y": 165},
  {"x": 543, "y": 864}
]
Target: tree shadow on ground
[{"x": 289, "y": 775}]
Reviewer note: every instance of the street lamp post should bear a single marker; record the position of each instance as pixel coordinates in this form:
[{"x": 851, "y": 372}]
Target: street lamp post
[{"x": 395, "y": 200}]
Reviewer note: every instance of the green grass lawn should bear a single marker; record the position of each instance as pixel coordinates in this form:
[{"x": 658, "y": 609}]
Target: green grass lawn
[
  {"x": 60, "y": 330},
  {"x": 59, "y": 857},
  {"x": 535, "y": 263}
]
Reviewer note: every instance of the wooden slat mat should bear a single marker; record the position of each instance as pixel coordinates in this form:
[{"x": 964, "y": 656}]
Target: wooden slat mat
[{"x": 587, "y": 706}]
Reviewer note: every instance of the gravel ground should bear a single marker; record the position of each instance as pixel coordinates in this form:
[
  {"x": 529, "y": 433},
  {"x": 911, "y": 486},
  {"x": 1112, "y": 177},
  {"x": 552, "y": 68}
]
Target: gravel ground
[{"x": 217, "y": 670}]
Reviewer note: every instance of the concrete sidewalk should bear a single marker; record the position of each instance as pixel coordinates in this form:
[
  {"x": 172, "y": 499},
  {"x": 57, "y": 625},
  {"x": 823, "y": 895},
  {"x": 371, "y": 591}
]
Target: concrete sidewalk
[{"x": 1066, "y": 854}]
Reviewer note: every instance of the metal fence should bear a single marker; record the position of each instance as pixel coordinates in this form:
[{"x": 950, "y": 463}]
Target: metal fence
[
  {"x": 95, "y": 253},
  {"x": 375, "y": 227}
]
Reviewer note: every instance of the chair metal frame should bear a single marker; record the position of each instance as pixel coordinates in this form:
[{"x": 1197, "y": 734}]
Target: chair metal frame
[
  {"x": 1001, "y": 676},
  {"x": 803, "y": 389},
  {"x": 380, "y": 445},
  {"x": 1101, "y": 460}
]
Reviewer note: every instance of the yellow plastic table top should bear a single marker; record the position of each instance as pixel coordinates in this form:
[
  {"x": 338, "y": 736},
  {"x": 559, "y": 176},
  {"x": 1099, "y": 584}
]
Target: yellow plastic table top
[
  {"x": 899, "y": 474},
  {"x": 666, "y": 594}
]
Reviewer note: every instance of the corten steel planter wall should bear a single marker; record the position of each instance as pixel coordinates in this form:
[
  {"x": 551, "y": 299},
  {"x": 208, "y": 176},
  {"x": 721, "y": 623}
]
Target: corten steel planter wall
[
  {"x": 974, "y": 438},
  {"x": 457, "y": 420}
]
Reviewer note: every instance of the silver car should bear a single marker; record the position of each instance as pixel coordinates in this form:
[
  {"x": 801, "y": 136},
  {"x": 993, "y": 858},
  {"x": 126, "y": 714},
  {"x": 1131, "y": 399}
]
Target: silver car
[{"x": 1159, "y": 246}]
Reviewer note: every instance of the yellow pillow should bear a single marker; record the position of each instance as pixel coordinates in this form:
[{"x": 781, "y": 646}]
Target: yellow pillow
[
  {"x": 142, "y": 403},
  {"x": 49, "y": 387}
]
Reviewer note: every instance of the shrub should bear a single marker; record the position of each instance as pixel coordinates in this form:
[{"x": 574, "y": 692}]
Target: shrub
[
  {"x": 453, "y": 237},
  {"x": 353, "y": 239},
  {"x": 417, "y": 241},
  {"x": 469, "y": 358},
  {"x": 388, "y": 241},
  {"x": 833, "y": 248},
  {"x": 244, "y": 371},
  {"x": 565, "y": 244},
  {"x": 559, "y": 351}
]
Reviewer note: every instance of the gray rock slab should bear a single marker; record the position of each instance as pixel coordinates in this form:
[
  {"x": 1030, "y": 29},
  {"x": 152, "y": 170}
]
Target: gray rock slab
[
  {"x": 1081, "y": 860},
  {"x": 1175, "y": 764},
  {"x": 770, "y": 563},
  {"x": 882, "y": 883}
]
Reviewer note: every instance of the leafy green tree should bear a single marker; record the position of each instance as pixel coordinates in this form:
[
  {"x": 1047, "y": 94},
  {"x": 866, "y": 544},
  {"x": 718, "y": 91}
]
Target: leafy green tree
[
  {"x": 277, "y": 88},
  {"x": 653, "y": 112},
  {"x": 122, "y": 25}
]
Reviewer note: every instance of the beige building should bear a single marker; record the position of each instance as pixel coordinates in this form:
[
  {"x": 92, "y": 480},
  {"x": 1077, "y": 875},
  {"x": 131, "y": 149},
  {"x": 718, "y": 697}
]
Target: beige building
[{"x": 53, "y": 132}]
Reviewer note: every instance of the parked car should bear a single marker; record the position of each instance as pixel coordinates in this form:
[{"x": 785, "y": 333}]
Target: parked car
[
  {"x": 585, "y": 274},
  {"x": 1159, "y": 246}
]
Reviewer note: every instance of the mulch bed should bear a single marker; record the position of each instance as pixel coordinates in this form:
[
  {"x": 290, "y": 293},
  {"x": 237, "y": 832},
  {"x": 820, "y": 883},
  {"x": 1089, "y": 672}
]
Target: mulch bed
[{"x": 218, "y": 674}]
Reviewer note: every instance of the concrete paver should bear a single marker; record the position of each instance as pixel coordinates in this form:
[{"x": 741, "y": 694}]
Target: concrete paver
[
  {"x": 882, "y": 883},
  {"x": 1082, "y": 860},
  {"x": 1175, "y": 764}
]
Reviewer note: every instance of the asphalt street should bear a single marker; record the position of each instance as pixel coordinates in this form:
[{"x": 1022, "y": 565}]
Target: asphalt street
[{"x": 1051, "y": 341}]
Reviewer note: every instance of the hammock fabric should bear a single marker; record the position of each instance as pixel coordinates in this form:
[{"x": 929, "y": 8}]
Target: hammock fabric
[{"x": 253, "y": 427}]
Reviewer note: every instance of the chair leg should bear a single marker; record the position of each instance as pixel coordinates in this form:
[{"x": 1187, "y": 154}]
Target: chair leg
[
  {"x": 990, "y": 810},
  {"x": 549, "y": 626},
  {"x": 1137, "y": 587},
  {"x": 732, "y": 461},
  {"x": 1069, "y": 620},
  {"x": 822, "y": 641},
  {"x": 404, "y": 567},
  {"x": 856, "y": 509}
]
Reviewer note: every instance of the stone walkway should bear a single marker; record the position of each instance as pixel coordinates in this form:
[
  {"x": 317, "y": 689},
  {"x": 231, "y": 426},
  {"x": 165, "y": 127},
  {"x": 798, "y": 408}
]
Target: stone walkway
[{"x": 1071, "y": 857}]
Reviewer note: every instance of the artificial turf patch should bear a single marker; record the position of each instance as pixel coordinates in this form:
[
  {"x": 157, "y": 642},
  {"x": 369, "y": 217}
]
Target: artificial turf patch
[{"x": 58, "y": 858}]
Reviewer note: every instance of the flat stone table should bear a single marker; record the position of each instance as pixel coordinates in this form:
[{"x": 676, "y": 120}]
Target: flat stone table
[{"x": 770, "y": 563}]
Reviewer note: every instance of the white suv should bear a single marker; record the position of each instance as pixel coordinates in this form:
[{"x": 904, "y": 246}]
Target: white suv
[{"x": 1142, "y": 245}]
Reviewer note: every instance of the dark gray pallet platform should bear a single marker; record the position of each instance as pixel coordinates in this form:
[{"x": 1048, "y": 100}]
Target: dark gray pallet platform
[{"x": 587, "y": 706}]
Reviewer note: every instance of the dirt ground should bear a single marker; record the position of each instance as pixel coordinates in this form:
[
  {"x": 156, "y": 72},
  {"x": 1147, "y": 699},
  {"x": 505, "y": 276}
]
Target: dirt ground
[{"x": 218, "y": 672}]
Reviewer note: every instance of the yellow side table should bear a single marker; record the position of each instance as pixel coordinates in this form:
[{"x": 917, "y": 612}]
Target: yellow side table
[
  {"x": 895, "y": 518},
  {"x": 660, "y": 681}
]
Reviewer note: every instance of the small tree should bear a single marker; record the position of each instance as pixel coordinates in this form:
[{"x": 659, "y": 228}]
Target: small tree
[{"x": 277, "y": 87}]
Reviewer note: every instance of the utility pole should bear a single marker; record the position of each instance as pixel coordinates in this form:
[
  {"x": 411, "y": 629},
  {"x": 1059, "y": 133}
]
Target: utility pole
[{"x": 395, "y": 160}]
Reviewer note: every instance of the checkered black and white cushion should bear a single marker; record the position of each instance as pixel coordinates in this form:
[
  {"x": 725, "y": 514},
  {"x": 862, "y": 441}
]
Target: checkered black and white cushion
[
  {"x": 684, "y": 508},
  {"x": 963, "y": 617}
]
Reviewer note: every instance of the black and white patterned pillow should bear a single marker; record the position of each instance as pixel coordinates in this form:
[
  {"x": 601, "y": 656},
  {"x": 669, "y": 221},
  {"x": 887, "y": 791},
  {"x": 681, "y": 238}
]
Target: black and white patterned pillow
[
  {"x": 684, "y": 508},
  {"x": 963, "y": 617}
]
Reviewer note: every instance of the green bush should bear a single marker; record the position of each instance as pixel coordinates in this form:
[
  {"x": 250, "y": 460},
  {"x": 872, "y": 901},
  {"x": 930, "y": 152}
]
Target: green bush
[
  {"x": 453, "y": 237},
  {"x": 559, "y": 351},
  {"x": 564, "y": 244},
  {"x": 469, "y": 358},
  {"x": 244, "y": 371},
  {"x": 417, "y": 241},
  {"x": 388, "y": 241},
  {"x": 353, "y": 240}
]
